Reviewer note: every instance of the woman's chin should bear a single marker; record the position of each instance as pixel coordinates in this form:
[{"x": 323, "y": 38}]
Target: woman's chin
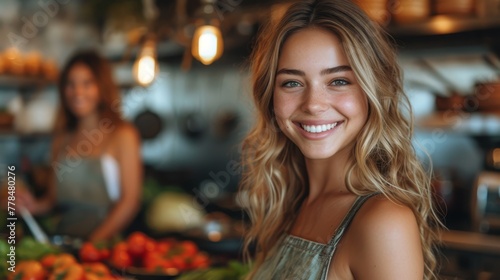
[
  {"x": 317, "y": 155},
  {"x": 82, "y": 112}
]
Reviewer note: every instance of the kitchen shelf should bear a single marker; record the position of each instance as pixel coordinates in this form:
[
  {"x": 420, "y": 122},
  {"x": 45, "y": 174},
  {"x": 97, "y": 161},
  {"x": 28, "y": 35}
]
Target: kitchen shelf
[
  {"x": 447, "y": 31},
  {"x": 471, "y": 241},
  {"x": 23, "y": 83},
  {"x": 22, "y": 135},
  {"x": 474, "y": 124},
  {"x": 445, "y": 24}
]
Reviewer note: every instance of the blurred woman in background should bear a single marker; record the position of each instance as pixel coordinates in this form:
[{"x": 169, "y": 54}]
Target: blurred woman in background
[{"x": 95, "y": 157}]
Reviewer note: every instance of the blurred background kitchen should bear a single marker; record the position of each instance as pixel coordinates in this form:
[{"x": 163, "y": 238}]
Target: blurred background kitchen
[{"x": 186, "y": 89}]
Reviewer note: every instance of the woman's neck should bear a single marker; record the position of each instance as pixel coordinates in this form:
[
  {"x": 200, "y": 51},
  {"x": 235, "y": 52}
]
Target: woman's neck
[
  {"x": 88, "y": 122},
  {"x": 327, "y": 176}
]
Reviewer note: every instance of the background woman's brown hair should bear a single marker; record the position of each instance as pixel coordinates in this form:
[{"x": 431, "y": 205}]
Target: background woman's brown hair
[{"x": 110, "y": 104}]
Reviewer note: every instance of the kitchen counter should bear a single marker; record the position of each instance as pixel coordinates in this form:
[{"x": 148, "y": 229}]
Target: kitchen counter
[
  {"x": 469, "y": 255},
  {"x": 471, "y": 241}
]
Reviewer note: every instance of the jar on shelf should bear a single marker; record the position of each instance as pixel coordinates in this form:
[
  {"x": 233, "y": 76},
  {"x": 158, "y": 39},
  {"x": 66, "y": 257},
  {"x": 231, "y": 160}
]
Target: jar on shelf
[
  {"x": 33, "y": 63},
  {"x": 14, "y": 62}
]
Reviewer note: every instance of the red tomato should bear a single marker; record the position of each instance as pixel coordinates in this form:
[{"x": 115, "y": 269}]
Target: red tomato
[
  {"x": 150, "y": 246},
  {"x": 161, "y": 265},
  {"x": 121, "y": 246},
  {"x": 179, "y": 262},
  {"x": 152, "y": 259},
  {"x": 48, "y": 260},
  {"x": 28, "y": 270},
  {"x": 200, "y": 260},
  {"x": 89, "y": 253},
  {"x": 121, "y": 259},
  {"x": 189, "y": 248},
  {"x": 104, "y": 254},
  {"x": 136, "y": 243},
  {"x": 169, "y": 268},
  {"x": 154, "y": 266},
  {"x": 164, "y": 247}
]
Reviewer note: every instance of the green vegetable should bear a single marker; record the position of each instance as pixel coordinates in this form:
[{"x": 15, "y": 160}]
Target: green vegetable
[
  {"x": 233, "y": 271},
  {"x": 26, "y": 249},
  {"x": 29, "y": 249},
  {"x": 4, "y": 250}
]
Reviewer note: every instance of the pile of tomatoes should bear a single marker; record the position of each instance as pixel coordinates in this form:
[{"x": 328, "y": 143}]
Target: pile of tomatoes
[
  {"x": 60, "y": 267},
  {"x": 167, "y": 256}
]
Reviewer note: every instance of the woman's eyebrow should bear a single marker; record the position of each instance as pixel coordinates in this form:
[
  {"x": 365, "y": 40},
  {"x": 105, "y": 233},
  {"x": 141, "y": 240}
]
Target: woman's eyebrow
[
  {"x": 336, "y": 69},
  {"x": 290, "y": 72},
  {"x": 341, "y": 68}
]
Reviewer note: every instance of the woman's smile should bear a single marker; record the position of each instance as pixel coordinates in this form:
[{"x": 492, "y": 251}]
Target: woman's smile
[{"x": 318, "y": 129}]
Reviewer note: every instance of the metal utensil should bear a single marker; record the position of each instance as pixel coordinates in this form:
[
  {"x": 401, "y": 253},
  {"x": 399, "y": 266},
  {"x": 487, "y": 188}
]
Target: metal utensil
[{"x": 35, "y": 229}]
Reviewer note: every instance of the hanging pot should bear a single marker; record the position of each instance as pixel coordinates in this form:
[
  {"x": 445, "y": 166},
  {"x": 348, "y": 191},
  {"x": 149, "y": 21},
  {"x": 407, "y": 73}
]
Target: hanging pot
[
  {"x": 225, "y": 123},
  {"x": 193, "y": 125},
  {"x": 149, "y": 124}
]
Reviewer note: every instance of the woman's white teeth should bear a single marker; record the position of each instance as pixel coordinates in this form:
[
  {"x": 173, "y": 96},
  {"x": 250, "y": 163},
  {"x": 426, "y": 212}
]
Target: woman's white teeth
[{"x": 318, "y": 128}]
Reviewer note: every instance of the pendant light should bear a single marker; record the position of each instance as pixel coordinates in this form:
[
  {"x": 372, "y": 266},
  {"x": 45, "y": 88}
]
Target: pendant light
[
  {"x": 207, "y": 45},
  {"x": 146, "y": 65}
]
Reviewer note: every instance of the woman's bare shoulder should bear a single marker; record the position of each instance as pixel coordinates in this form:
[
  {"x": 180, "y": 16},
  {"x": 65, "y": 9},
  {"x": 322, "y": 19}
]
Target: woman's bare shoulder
[
  {"x": 387, "y": 243},
  {"x": 125, "y": 133},
  {"x": 380, "y": 210},
  {"x": 127, "y": 129}
]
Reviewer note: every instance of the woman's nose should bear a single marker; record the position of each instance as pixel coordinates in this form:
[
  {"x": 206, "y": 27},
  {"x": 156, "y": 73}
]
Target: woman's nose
[
  {"x": 78, "y": 90},
  {"x": 315, "y": 101}
]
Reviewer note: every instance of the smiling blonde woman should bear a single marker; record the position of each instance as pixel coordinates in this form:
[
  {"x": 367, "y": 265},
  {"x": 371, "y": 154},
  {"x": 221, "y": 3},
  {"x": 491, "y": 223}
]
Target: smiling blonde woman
[{"x": 333, "y": 187}]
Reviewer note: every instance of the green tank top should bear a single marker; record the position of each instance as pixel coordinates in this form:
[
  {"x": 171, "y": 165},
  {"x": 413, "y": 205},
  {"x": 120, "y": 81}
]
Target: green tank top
[
  {"x": 295, "y": 258},
  {"x": 82, "y": 199}
]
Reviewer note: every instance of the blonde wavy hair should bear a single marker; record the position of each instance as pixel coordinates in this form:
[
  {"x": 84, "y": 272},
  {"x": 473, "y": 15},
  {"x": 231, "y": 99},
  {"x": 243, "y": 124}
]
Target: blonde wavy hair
[{"x": 274, "y": 181}]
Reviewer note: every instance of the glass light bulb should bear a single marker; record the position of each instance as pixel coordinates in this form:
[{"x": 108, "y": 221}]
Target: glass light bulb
[
  {"x": 207, "y": 48},
  {"x": 146, "y": 65},
  {"x": 146, "y": 70},
  {"x": 207, "y": 44}
]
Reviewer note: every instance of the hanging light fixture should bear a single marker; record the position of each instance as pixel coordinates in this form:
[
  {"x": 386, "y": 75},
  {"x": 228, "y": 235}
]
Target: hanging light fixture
[
  {"x": 146, "y": 64},
  {"x": 207, "y": 45},
  {"x": 146, "y": 67}
]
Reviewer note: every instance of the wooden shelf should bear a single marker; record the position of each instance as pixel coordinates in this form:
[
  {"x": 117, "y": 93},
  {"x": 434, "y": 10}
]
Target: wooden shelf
[
  {"x": 475, "y": 124},
  {"x": 471, "y": 241},
  {"x": 34, "y": 135},
  {"x": 444, "y": 31},
  {"x": 445, "y": 24},
  {"x": 23, "y": 83}
]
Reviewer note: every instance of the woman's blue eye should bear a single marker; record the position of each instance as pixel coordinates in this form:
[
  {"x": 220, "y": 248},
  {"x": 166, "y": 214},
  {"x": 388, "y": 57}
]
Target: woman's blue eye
[
  {"x": 340, "y": 82},
  {"x": 291, "y": 84}
]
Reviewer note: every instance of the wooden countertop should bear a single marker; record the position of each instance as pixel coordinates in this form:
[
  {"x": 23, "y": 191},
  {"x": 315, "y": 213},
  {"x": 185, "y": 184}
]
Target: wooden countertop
[{"x": 471, "y": 241}]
